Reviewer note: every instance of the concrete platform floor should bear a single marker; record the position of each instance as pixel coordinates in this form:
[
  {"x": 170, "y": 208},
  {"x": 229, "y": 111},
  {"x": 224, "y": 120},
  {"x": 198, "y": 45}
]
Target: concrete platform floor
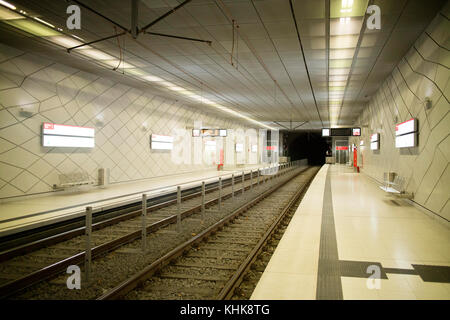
[{"x": 345, "y": 229}]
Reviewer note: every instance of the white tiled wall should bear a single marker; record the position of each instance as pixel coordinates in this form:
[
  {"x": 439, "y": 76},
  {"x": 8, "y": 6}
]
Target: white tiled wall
[
  {"x": 423, "y": 72},
  {"x": 56, "y": 93}
]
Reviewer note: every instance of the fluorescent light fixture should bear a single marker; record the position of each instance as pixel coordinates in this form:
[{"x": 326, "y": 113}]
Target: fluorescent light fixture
[
  {"x": 136, "y": 72},
  {"x": 32, "y": 27},
  {"x": 337, "y": 83},
  {"x": 65, "y": 41},
  {"x": 175, "y": 88},
  {"x": 6, "y": 14},
  {"x": 7, "y": 4},
  {"x": 341, "y": 63},
  {"x": 79, "y": 38},
  {"x": 325, "y": 132},
  {"x": 44, "y": 22},
  {"x": 336, "y": 72},
  {"x": 344, "y": 20},
  {"x": 338, "y": 77},
  {"x": 343, "y": 42},
  {"x": 152, "y": 78},
  {"x": 95, "y": 54},
  {"x": 337, "y": 88},
  {"x": 115, "y": 64}
]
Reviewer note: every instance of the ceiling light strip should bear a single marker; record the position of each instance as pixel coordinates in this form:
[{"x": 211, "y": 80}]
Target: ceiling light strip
[
  {"x": 327, "y": 50},
  {"x": 382, "y": 48},
  {"x": 355, "y": 54},
  {"x": 248, "y": 77},
  {"x": 7, "y": 4},
  {"x": 281, "y": 60},
  {"x": 304, "y": 59}
]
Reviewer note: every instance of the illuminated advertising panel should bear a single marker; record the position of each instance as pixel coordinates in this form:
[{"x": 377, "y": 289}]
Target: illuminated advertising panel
[
  {"x": 161, "y": 142},
  {"x": 325, "y": 132},
  {"x": 405, "y": 141},
  {"x": 239, "y": 147},
  {"x": 375, "y": 141},
  {"x": 406, "y": 134},
  {"x": 254, "y": 148},
  {"x": 67, "y": 136},
  {"x": 356, "y": 132}
]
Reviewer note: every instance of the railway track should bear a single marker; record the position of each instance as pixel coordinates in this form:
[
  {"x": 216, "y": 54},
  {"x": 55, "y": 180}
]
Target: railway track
[
  {"x": 38, "y": 264},
  {"x": 19, "y": 244},
  {"x": 214, "y": 263},
  {"x": 251, "y": 277}
]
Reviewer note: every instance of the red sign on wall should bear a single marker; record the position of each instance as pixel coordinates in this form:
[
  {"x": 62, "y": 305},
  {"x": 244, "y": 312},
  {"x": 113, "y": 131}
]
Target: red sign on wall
[{"x": 341, "y": 148}]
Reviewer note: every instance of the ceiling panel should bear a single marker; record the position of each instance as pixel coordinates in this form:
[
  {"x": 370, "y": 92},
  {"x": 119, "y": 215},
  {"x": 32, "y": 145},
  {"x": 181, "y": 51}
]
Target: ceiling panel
[{"x": 265, "y": 61}]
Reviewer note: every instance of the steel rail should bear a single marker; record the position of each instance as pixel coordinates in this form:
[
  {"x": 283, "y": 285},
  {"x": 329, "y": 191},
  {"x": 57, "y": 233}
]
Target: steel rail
[
  {"x": 138, "y": 279},
  {"x": 49, "y": 271},
  {"x": 228, "y": 290},
  {"x": 66, "y": 235}
]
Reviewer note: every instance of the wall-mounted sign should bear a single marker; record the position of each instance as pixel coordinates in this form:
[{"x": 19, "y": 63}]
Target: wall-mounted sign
[
  {"x": 209, "y": 132},
  {"x": 375, "y": 141},
  {"x": 60, "y": 135},
  {"x": 239, "y": 147},
  {"x": 161, "y": 142},
  {"x": 271, "y": 148},
  {"x": 406, "y": 134},
  {"x": 341, "y": 132},
  {"x": 356, "y": 132},
  {"x": 406, "y": 127},
  {"x": 254, "y": 148},
  {"x": 341, "y": 148}
]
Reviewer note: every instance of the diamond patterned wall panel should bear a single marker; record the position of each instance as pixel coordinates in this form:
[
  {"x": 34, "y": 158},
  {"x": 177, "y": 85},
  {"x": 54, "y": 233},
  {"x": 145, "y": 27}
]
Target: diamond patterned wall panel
[
  {"x": 422, "y": 73},
  {"x": 52, "y": 92}
]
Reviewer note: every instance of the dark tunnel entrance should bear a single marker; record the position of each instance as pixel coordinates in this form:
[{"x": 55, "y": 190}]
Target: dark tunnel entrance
[{"x": 307, "y": 145}]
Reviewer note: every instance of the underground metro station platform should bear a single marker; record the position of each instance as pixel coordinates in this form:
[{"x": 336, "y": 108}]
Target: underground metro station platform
[{"x": 232, "y": 157}]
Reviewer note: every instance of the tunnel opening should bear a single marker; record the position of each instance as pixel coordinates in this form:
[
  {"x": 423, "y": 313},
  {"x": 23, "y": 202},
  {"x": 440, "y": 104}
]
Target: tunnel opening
[{"x": 307, "y": 145}]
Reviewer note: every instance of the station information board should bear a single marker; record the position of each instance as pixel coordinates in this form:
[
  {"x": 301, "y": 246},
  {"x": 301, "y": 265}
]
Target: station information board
[
  {"x": 67, "y": 136},
  {"x": 341, "y": 132}
]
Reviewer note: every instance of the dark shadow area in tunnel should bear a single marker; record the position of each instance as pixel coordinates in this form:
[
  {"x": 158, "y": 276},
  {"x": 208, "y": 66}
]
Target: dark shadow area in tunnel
[{"x": 307, "y": 145}]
